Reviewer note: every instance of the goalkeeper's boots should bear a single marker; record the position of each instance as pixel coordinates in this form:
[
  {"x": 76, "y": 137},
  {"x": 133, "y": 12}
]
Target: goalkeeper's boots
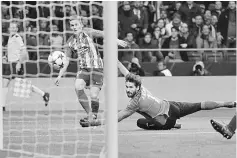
[
  {"x": 222, "y": 129},
  {"x": 46, "y": 98}
]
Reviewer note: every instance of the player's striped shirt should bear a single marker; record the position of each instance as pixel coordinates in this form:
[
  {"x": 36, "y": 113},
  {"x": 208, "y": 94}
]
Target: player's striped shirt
[
  {"x": 83, "y": 48},
  {"x": 16, "y": 49},
  {"x": 145, "y": 102}
]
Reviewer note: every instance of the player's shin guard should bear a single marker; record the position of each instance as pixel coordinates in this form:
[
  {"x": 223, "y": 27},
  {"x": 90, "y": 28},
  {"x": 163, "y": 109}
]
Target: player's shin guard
[
  {"x": 232, "y": 124},
  {"x": 210, "y": 105},
  {"x": 95, "y": 106},
  {"x": 83, "y": 99}
]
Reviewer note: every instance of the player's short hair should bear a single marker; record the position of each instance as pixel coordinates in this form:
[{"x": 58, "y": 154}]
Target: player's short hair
[
  {"x": 136, "y": 79},
  {"x": 75, "y": 17},
  {"x": 15, "y": 22}
]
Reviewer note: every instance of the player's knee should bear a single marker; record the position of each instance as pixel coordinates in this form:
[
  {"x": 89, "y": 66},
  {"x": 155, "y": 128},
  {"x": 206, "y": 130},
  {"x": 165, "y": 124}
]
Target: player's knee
[
  {"x": 94, "y": 94},
  {"x": 79, "y": 84},
  {"x": 142, "y": 123}
]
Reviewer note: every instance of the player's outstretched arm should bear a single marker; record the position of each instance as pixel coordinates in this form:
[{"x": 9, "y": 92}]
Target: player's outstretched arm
[
  {"x": 98, "y": 33},
  {"x": 123, "y": 69}
]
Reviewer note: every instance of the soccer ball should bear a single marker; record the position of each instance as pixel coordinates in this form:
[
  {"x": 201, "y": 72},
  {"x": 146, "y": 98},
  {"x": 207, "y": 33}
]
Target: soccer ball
[{"x": 57, "y": 60}]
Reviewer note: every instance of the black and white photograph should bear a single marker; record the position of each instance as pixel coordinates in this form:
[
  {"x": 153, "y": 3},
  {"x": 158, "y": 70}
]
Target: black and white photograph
[{"x": 118, "y": 79}]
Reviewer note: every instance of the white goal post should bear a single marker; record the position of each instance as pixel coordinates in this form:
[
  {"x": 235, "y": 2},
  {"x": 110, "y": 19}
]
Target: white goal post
[{"x": 110, "y": 70}]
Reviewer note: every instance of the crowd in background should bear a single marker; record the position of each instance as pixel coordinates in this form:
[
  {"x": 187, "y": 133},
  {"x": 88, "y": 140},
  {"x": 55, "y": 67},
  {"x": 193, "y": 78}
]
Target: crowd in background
[{"x": 143, "y": 24}]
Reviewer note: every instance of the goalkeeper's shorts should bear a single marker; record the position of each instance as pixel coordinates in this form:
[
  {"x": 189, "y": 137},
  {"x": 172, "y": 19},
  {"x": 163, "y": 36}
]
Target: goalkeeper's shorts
[
  {"x": 92, "y": 77},
  {"x": 9, "y": 71}
]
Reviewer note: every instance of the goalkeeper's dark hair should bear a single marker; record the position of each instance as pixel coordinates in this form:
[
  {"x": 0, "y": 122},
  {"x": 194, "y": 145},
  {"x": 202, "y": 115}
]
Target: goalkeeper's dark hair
[{"x": 136, "y": 79}]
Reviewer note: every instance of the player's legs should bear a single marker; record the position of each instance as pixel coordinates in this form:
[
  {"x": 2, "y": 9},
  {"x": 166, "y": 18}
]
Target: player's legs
[
  {"x": 80, "y": 85},
  {"x": 94, "y": 94},
  {"x": 190, "y": 108},
  {"x": 210, "y": 105},
  {"x": 96, "y": 82},
  {"x": 151, "y": 124}
]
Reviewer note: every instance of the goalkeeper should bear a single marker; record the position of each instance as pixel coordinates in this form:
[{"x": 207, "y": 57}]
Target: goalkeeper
[
  {"x": 159, "y": 114},
  {"x": 16, "y": 54},
  {"x": 80, "y": 46}
]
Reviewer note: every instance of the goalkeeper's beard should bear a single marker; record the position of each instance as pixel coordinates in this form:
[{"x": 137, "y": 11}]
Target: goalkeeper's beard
[{"x": 131, "y": 94}]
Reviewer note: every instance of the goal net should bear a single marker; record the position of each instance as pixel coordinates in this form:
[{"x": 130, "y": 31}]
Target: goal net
[{"x": 30, "y": 128}]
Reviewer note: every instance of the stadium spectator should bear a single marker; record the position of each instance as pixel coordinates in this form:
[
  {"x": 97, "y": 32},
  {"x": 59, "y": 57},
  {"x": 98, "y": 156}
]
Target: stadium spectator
[
  {"x": 202, "y": 8},
  {"x": 44, "y": 10},
  {"x": 128, "y": 21},
  {"x": 175, "y": 42},
  {"x": 56, "y": 40},
  {"x": 176, "y": 22},
  {"x": 188, "y": 11},
  {"x": 147, "y": 43},
  {"x": 135, "y": 68},
  {"x": 97, "y": 22},
  {"x": 207, "y": 14},
  {"x": 218, "y": 9},
  {"x": 164, "y": 16},
  {"x": 161, "y": 69},
  {"x": 128, "y": 56},
  {"x": 226, "y": 26},
  {"x": 160, "y": 33},
  {"x": 31, "y": 40},
  {"x": 214, "y": 21},
  {"x": 199, "y": 69},
  {"x": 208, "y": 21},
  {"x": 197, "y": 27},
  {"x": 142, "y": 14},
  {"x": 189, "y": 39},
  {"x": 206, "y": 40}
]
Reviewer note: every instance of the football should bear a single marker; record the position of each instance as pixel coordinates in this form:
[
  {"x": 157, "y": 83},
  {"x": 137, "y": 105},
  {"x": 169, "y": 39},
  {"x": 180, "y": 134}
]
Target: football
[{"x": 57, "y": 60}]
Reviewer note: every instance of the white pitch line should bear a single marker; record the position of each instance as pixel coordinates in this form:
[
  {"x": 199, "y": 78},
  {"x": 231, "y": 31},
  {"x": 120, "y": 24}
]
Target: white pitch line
[
  {"x": 70, "y": 120},
  {"x": 135, "y": 133}
]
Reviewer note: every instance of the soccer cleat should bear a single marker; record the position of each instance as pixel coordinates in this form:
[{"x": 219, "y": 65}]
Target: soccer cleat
[
  {"x": 85, "y": 119},
  {"x": 46, "y": 98},
  {"x": 177, "y": 126},
  {"x": 222, "y": 129}
]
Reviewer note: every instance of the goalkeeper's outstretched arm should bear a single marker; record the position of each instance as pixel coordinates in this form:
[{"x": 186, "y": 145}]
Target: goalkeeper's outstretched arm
[{"x": 123, "y": 69}]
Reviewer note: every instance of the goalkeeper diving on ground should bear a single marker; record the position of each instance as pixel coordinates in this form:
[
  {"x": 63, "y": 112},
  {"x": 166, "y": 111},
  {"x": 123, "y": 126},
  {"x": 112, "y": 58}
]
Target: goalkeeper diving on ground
[
  {"x": 14, "y": 69},
  {"x": 159, "y": 114}
]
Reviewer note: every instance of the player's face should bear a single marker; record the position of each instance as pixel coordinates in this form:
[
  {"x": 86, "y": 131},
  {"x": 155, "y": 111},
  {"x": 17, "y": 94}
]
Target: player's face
[
  {"x": 13, "y": 28},
  {"x": 76, "y": 26},
  {"x": 232, "y": 4},
  {"x": 131, "y": 89}
]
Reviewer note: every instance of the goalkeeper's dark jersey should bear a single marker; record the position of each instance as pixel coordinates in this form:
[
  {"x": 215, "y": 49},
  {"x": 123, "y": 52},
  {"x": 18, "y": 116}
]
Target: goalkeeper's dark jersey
[{"x": 82, "y": 48}]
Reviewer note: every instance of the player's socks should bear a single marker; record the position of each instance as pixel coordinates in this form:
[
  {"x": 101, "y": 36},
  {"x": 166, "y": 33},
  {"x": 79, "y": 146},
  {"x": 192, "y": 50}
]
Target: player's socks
[
  {"x": 83, "y": 99},
  {"x": 210, "y": 105},
  {"x": 5, "y": 92},
  {"x": 37, "y": 90},
  {"x": 95, "y": 106},
  {"x": 232, "y": 124}
]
